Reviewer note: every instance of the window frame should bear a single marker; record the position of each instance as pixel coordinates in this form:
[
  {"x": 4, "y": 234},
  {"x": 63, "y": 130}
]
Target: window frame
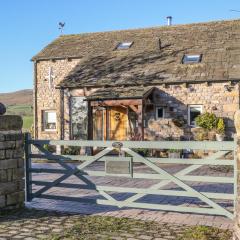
[
  {"x": 123, "y": 48},
  {"x": 191, "y": 62},
  {"x": 156, "y": 112},
  {"x": 44, "y": 129},
  {"x": 193, "y": 106}
]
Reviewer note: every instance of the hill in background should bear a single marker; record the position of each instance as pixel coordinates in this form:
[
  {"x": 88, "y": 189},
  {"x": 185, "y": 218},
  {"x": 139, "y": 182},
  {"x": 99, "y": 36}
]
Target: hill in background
[{"x": 19, "y": 103}]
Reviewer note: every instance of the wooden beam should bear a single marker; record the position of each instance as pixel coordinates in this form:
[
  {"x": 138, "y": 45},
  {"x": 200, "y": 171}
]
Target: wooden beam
[
  {"x": 140, "y": 122},
  {"x": 125, "y": 102},
  {"x": 134, "y": 108}
]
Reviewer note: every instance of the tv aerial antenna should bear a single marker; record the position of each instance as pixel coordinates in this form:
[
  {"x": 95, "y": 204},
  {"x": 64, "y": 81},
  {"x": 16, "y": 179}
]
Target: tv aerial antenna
[{"x": 61, "y": 26}]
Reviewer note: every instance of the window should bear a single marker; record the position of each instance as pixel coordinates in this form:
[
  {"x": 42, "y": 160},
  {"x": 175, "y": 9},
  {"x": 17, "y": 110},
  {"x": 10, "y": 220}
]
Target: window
[
  {"x": 191, "y": 58},
  {"x": 160, "y": 112},
  {"x": 193, "y": 112},
  {"x": 124, "y": 45},
  {"x": 49, "y": 120}
]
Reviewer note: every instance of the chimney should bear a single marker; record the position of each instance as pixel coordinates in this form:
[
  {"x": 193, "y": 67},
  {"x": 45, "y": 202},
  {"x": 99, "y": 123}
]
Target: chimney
[{"x": 169, "y": 20}]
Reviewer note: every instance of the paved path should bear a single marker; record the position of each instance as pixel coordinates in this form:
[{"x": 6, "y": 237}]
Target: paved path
[
  {"x": 158, "y": 216},
  {"x": 34, "y": 225}
]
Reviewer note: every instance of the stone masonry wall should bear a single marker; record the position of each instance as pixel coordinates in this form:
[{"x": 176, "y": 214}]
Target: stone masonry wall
[
  {"x": 11, "y": 163},
  {"x": 175, "y": 99},
  {"x": 48, "y": 97}
]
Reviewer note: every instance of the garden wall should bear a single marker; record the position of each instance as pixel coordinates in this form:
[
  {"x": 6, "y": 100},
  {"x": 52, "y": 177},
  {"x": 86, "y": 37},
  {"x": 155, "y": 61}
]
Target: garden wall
[{"x": 11, "y": 163}]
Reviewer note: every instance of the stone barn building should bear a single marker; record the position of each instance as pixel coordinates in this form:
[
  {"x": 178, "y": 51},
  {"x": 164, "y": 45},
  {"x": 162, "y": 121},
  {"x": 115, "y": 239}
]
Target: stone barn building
[{"x": 143, "y": 84}]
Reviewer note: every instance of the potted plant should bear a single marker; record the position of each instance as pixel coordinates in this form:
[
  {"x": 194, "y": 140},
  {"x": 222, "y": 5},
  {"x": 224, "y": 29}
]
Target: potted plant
[
  {"x": 220, "y": 130},
  {"x": 174, "y": 153}
]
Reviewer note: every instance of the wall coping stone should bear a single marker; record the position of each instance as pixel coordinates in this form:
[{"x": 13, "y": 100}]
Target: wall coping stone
[{"x": 10, "y": 122}]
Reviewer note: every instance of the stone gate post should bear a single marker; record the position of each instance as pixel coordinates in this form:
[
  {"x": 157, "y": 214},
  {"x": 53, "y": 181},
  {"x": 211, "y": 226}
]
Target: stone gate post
[
  {"x": 11, "y": 163},
  {"x": 236, "y": 230}
]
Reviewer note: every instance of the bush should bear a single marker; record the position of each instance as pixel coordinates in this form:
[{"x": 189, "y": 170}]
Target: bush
[
  {"x": 207, "y": 121},
  {"x": 220, "y": 126},
  {"x": 72, "y": 150},
  {"x": 50, "y": 148}
]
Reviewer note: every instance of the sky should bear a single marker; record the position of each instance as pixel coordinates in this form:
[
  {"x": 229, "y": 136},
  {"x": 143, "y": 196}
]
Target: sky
[{"x": 29, "y": 25}]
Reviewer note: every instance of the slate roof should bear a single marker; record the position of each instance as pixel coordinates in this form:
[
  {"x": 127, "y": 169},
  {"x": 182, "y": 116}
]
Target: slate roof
[
  {"x": 120, "y": 93},
  {"x": 154, "y": 58}
]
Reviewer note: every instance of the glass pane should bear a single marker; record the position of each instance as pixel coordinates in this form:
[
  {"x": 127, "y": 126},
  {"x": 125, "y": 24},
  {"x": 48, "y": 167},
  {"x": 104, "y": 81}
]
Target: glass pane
[
  {"x": 124, "y": 45},
  {"x": 51, "y": 117},
  {"x": 191, "y": 58},
  {"x": 194, "y": 112},
  {"x": 160, "y": 112},
  {"x": 79, "y": 118}
]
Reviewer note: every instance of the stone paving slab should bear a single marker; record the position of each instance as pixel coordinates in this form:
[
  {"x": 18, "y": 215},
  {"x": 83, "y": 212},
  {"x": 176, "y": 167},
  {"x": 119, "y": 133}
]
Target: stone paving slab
[
  {"x": 49, "y": 225},
  {"x": 150, "y": 215}
]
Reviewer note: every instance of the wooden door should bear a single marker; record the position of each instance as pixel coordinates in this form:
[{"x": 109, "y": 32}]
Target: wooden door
[{"x": 117, "y": 129}]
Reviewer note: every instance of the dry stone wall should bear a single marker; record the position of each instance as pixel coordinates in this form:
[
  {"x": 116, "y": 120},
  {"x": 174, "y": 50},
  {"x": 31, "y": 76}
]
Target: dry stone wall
[{"x": 11, "y": 163}]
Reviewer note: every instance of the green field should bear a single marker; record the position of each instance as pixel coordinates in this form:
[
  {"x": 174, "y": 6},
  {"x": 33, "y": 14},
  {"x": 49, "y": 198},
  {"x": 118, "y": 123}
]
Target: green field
[{"x": 23, "y": 110}]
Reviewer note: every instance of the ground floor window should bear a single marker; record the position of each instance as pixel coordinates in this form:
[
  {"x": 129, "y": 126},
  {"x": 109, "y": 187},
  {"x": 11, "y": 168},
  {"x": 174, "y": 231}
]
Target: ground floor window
[
  {"x": 79, "y": 118},
  {"x": 160, "y": 113},
  {"x": 193, "y": 112},
  {"x": 49, "y": 120}
]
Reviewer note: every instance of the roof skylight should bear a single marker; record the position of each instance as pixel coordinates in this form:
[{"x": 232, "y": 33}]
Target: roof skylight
[
  {"x": 191, "y": 58},
  {"x": 124, "y": 45}
]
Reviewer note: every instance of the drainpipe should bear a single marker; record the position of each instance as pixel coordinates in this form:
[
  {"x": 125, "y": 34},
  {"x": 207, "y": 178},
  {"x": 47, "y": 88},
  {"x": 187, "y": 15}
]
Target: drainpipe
[
  {"x": 61, "y": 114},
  {"x": 35, "y": 117}
]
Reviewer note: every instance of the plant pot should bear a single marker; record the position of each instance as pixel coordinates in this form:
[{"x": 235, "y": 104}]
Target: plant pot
[
  {"x": 220, "y": 137},
  {"x": 174, "y": 155}
]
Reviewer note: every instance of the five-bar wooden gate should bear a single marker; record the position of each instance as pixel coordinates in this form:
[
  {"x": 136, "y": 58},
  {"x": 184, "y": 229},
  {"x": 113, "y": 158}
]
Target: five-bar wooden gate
[{"x": 124, "y": 166}]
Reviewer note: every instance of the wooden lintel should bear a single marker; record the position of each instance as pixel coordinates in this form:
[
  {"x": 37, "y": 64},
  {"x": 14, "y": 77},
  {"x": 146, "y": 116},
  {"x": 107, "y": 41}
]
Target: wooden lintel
[
  {"x": 125, "y": 102},
  {"x": 134, "y": 108}
]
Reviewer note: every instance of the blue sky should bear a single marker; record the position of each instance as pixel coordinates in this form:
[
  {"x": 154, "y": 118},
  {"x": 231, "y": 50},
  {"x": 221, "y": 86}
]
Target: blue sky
[{"x": 28, "y": 25}]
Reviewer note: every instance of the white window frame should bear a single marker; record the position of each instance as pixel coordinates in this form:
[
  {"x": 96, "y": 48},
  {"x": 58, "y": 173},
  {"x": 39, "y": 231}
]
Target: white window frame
[
  {"x": 124, "y": 45},
  {"x": 44, "y": 122},
  {"x": 189, "y": 108},
  {"x": 187, "y": 58},
  {"x": 156, "y": 112}
]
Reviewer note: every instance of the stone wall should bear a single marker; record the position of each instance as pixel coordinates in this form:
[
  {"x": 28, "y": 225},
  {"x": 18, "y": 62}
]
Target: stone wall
[
  {"x": 175, "y": 99},
  {"x": 48, "y": 97},
  {"x": 11, "y": 163}
]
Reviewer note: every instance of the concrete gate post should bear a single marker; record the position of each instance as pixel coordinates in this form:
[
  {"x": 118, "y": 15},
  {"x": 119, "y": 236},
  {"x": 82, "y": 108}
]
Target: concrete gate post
[{"x": 11, "y": 162}]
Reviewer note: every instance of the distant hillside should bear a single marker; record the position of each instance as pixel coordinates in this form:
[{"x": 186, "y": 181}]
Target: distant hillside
[
  {"x": 19, "y": 103},
  {"x": 23, "y": 97}
]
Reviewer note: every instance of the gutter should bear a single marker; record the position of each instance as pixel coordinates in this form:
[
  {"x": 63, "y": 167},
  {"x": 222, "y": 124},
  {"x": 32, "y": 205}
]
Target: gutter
[{"x": 154, "y": 84}]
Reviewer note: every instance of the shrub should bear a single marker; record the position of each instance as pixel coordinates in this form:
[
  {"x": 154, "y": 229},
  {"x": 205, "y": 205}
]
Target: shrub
[
  {"x": 50, "y": 148},
  {"x": 220, "y": 126},
  {"x": 72, "y": 150},
  {"x": 207, "y": 121}
]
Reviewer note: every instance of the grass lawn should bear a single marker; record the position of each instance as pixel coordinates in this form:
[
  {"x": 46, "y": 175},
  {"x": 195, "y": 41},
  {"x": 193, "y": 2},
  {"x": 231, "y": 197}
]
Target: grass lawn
[{"x": 27, "y": 122}]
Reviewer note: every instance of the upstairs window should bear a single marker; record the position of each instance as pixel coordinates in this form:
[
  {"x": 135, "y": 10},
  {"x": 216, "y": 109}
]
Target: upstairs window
[
  {"x": 191, "y": 58},
  {"x": 124, "y": 45},
  {"x": 49, "y": 120}
]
